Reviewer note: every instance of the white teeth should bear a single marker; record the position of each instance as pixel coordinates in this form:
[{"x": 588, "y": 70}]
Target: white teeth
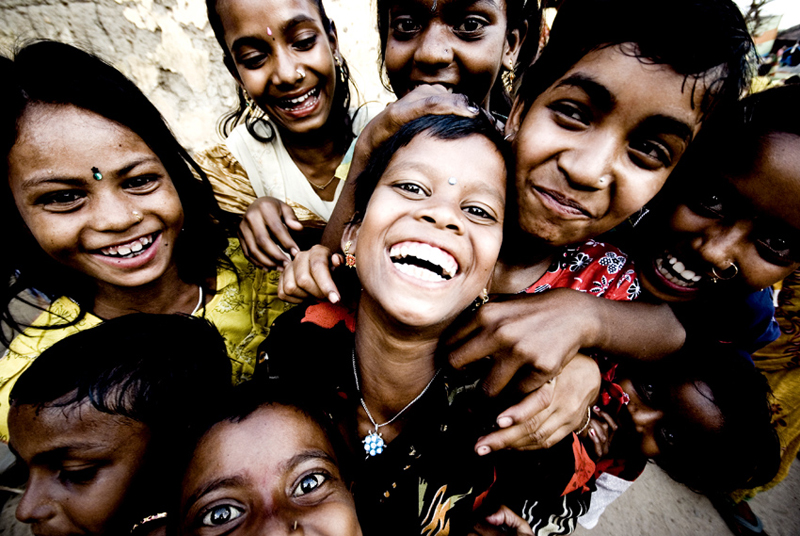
[
  {"x": 424, "y": 252},
  {"x": 132, "y": 248},
  {"x": 678, "y": 273},
  {"x": 136, "y": 246},
  {"x": 123, "y": 250}
]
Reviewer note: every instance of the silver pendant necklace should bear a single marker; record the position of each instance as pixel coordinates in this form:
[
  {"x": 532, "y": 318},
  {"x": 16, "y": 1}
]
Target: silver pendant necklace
[{"x": 374, "y": 443}]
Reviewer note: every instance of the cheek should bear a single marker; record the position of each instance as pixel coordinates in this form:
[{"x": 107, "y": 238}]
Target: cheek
[
  {"x": 686, "y": 221},
  {"x": 758, "y": 273},
  {"x": 635, "y": 192}
]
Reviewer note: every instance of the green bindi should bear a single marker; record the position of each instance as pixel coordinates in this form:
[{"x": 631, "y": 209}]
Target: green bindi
[{"x": 96, "y": 175}]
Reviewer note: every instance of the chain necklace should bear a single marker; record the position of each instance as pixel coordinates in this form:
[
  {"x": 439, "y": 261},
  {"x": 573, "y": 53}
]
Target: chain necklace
[
  {"x": 320, "y": 188},
  {"x": 373, "y": 443}
]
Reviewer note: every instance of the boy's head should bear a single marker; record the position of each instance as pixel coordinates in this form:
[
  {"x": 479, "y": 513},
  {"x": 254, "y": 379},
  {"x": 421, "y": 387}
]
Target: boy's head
[
  {"x": 608, "y": 109},
  {"x": 96, "y": 418},
  {"x": 272, "y": 463},
  {"x": 703, "y": 416}
]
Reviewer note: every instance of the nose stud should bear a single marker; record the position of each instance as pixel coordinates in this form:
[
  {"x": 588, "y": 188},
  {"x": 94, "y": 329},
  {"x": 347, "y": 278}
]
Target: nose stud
[
  {"x": 301, "y": 74},
  {"x": 728, "y": 273},
  {"x": 138, "y": 215}
]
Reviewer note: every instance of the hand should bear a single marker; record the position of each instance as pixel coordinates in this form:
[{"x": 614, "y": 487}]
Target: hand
[
  {"x": 601, "y": 431},
  {"x": 309, "y": 274},
  {"x": 504, "y": 521},
  {"x": 549, "y": 414},
  {"x": 264, "y": 233},
  {"x": 537, "y": 333}
]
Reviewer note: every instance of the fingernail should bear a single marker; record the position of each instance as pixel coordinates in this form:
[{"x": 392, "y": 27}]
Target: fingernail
[
  {"x": 505, "y": 422},
  {"x": 333, "y": 297},
  {"x": 483, "y": 450},
  {"x": 596, "y": 409},
  {"x": 294, "y": 252},
  {"x": 473, "y": 108}
]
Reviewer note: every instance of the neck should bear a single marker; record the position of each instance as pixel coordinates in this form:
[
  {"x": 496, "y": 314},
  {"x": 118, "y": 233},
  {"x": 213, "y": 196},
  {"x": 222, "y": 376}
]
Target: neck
[
  {"x": 522, "y": 262},
  {"x": 316, "y": 155},
  {"x": 394, "y": 365},
  {"x": 168, "y": 295}
]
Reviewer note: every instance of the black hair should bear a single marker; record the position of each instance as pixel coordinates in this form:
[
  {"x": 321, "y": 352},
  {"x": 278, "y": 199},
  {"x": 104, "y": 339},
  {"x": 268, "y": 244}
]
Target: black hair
[
  {"x": 706, "y": 41},
  {"x": 167, "y": 372},
  {"x": 522, "y": 15},
  {"x": 340, "y": 108},
  {"x": 745, "y": 451},
  {"x": 442, "y": 127},
  {"x": 80, "y": 79}
]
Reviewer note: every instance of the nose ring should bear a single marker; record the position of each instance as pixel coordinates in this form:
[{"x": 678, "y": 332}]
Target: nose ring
[
  {"x": 728, "y": 273},
  {"x": 138, "y": 215},
  {"x": 301, "y": 74}
]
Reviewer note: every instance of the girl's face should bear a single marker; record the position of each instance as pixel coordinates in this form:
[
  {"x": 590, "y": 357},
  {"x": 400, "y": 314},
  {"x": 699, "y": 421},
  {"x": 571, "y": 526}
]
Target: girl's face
[
  {"x": 669, "y": 417},
  {"x": 431, "y": 233},
  {"x": 751, "y": 219},
  {"x": 283, "y": 58},
  {"x": 599, "y": 143},
  {"x": 272, "y": 473},
  {"x": 81, "y": 465},
  {"x": 461, "y": 45},
  {"x": 119, "y": 230}
]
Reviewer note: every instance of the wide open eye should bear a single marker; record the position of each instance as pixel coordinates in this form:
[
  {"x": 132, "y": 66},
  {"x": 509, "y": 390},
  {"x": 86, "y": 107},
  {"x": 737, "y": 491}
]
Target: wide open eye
[
  {"x": 471, "y": 27},
  {"x": 220, "y": 515},
  {"x": 405, "y": 26},
  {"x": 309, "y": 483}
]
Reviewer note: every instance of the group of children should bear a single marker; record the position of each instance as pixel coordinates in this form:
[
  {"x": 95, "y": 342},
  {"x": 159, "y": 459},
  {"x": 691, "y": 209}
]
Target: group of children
[{"x": 458, "y": 373}]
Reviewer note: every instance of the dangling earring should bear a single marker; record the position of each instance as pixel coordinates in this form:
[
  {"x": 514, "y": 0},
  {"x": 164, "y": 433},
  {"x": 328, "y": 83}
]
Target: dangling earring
[
  {"x": 508, "y": 77},
  {"x": 349, "y": 258},
  {"x": 340, "y": 67},
  {"x": 481, "y": 299}
]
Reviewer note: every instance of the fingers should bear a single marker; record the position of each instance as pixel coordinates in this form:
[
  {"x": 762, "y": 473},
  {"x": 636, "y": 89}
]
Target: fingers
[
  {"x": 264, "y": 232},
  {"x": 505, "y": 517},
  {"x": 310, "y": 274},
  {"x": 523, "y": 426}
]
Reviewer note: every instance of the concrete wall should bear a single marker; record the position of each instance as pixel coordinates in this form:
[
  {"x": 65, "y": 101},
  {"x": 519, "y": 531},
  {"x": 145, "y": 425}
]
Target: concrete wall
[{"x": 167, "y": 47}]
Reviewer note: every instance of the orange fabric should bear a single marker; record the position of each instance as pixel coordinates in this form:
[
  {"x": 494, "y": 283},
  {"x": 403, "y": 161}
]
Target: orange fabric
[
  {"x": 326, "y": 315},
  {"x": 584, "y": 467}
]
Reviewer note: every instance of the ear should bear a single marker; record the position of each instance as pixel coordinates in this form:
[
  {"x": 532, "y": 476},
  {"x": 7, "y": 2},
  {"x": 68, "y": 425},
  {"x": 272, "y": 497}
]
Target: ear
[
  {"x": 514, "y": 40},
  {"x": 350, "y": 234},
  {"x": 333, "y": 38},
  {"x": 514, "y": 119}
]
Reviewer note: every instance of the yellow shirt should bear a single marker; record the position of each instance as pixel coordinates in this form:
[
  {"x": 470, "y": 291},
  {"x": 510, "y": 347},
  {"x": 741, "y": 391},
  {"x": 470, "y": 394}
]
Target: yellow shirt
[{"x": 240, "y": 310}]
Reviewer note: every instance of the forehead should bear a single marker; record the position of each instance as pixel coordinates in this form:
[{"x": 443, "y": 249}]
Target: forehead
[
  {"x": 259, "y": 445},
  {"x": 693, "y": 403},
  {"x": 438, "y": 6},
  {"x": 634, "y": 87},
  {"x": 772, "y": 184},
  {"x": 78, "y": 428},
  {"x": 251, "y": 17},
  {"x": 63, "y": 140},
  {"x": 473, "y": 160}
]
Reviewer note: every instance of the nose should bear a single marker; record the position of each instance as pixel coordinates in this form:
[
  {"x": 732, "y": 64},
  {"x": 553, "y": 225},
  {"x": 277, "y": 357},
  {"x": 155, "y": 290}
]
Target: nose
[
  {"x": 35, "y": 506},
  {"x": 721, "y": 243},
  {"x": 114, "y": 212},
  {"x": 286, "y": 70},
  {"x": 434, "y": 51},
  {"x": 644, "y": 417},
  {"x": 590, "y": 164},
  {"x": 443, "y": 215}
]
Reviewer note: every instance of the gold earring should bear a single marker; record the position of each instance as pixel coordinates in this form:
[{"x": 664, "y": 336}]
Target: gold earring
[
  {"x": 349, "y": 258},
  {"x": 340, "y": 66}
]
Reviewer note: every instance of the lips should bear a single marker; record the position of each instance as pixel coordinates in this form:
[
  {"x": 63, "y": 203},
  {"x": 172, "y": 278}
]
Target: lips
[
  {"x": 300, "y": 103},
  {"x": 423, "y": 261},
  {"x": 560, "y": 203}
]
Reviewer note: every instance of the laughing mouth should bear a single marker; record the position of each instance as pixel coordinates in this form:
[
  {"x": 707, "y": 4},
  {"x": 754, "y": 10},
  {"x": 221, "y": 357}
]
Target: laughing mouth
[
  {"x": 674, "y": 271},
  {"x": 306, "y": 100},
  {"x": 423, "y": 261},
  {"x": 132, "y": 249}
]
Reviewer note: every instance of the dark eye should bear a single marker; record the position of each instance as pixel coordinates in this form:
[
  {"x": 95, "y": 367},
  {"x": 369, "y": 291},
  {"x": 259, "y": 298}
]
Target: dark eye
[
  {"x": 570, "y": 115},
  {"x": 62, "y": 200},
  {"x": 650, "y": 154},
  {"x": 306, "y": 41},
  {"x": 666, "y": 436},
  {"x": 409, "y": 187},
  {"x": 309, "y": 483},
  {"x": 778, "y": 250},
  {"x": 405, "y": 26},
  {"x": 141, "y": 183},
  {"x": 471, "y": 26},
  {"x": 252, "y": 60},
  {"x": 646, "y": 390},
  {"x": 82, "y": 475},
  {"x": 707, "y": 204},
  {"x": 220, "y": 515},
  {"x": 478, "y": 212}
]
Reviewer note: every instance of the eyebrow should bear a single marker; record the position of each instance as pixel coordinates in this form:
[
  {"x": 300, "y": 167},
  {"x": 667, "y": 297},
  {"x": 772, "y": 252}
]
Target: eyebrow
[
  {"x": 665, "y": 124},
  {"x": 599, "y": 94},
  {"x": 256, "y": 42},
  {"x": 306, "y": 455},
  {"x": 81, "y": 181},
  {"x": 226, "y": 482}
]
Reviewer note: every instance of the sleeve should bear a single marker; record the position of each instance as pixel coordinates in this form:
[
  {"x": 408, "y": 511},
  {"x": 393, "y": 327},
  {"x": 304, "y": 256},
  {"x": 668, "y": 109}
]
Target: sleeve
[{"x": 230, "y": 182}]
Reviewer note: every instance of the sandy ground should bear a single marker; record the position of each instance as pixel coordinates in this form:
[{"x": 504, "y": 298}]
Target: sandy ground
[{"x": 656, "y": 505}]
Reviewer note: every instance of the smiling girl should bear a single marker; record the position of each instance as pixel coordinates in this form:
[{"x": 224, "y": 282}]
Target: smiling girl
[
  {"x": 105, "y": 217},
  {"x": 283, "y": 168}
]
